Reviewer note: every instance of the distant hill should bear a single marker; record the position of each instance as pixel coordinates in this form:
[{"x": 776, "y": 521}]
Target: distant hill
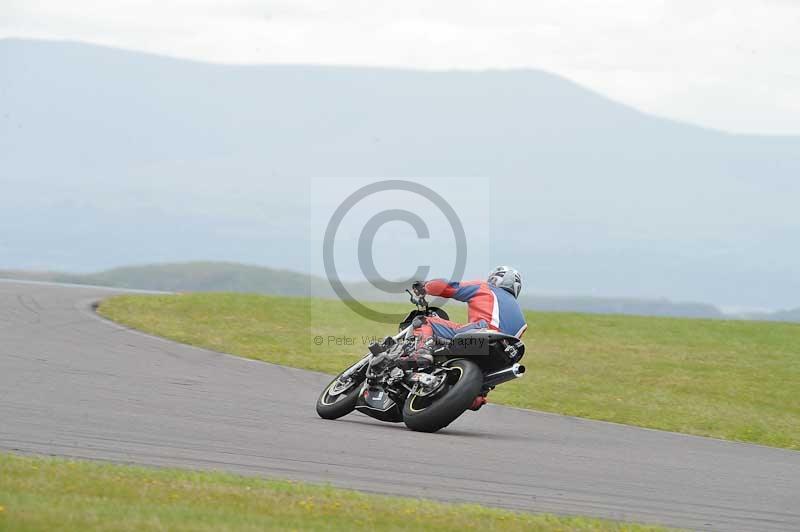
[
  {"x": 785, "y": 315},
  {"x": 610, "y": 305},
  {"x": 112, "y": 157},
  {"x": 190, "y": 277},
  {"x": 231, "y": 277},
  {"x": 791, "y": 315}
]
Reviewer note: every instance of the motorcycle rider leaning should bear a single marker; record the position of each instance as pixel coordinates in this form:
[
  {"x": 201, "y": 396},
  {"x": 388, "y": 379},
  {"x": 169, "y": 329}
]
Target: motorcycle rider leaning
[{"x": 491, "y": 304}]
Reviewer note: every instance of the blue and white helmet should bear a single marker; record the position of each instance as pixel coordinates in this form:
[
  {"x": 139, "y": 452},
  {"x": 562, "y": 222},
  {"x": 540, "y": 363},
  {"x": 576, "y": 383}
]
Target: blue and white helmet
[{"x": 507, "y": 278}]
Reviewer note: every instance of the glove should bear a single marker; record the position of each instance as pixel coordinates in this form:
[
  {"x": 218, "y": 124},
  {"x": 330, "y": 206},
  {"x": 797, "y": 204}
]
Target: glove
[{"x": 418, "y": 288}]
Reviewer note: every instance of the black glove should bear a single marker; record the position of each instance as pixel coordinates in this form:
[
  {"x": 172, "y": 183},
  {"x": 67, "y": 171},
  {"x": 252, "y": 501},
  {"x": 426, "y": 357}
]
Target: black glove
[{"x": 418, "y": 288}]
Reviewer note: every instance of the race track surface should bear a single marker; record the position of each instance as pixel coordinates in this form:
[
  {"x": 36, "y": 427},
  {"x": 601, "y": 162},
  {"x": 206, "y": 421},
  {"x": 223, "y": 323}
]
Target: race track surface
[{"x": 74, "y": 385}]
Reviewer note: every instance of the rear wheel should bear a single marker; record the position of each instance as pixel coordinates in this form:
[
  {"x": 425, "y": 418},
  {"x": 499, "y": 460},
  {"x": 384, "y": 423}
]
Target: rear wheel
[
  {"x": 339, "y": 397},
  {"x": 434, "y": 412}
]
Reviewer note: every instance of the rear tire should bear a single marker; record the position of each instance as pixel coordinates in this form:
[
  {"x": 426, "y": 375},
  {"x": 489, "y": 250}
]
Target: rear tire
[
  {"x": 335, "y": 406},
  {"x": 429, "y": 416}
]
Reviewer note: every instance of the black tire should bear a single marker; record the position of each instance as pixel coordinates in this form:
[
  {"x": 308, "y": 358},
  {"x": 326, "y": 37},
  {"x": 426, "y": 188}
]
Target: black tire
[
  {"x": 449, "y": 404},
  {"x": 336, "y": 406}
]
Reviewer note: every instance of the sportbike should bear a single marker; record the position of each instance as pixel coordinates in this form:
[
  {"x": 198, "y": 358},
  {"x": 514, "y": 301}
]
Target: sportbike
[{"x": 465, "y": 369}]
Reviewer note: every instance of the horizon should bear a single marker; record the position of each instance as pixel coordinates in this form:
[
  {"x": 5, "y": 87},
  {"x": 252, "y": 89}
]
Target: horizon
[{"x": 734, "y": 311}]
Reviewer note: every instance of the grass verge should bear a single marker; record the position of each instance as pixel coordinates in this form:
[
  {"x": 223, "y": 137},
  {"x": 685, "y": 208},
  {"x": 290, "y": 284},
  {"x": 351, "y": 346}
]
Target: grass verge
[
  {"x": 56, "y": 494},
  {"x": 736, "y": 380}
]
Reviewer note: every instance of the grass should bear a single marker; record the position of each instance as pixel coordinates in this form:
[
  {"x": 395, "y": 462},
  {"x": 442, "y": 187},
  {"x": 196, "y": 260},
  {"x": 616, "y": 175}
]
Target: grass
[
  {"x": 56, "y": 494},
  {"x": 736, "y": 380}
]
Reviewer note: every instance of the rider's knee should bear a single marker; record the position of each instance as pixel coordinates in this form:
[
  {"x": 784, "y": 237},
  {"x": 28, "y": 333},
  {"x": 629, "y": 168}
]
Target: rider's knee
[{"x": 418, "y": 322}]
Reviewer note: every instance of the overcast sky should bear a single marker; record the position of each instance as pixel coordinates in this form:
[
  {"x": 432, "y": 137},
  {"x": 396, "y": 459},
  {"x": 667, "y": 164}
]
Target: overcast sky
[{"x": 730, "y": 64}]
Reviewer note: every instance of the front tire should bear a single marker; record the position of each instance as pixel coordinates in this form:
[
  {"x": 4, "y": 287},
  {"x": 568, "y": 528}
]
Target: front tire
[
  {"x": 335, "y": 405},
  {"x": 430, "y": 415}
]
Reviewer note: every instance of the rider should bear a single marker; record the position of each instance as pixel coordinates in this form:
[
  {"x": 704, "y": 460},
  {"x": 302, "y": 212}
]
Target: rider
[{"x": 491, "y": 304}]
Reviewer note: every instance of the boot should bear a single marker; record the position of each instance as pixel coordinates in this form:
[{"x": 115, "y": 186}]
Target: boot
[{"x": 420, "y": 358}]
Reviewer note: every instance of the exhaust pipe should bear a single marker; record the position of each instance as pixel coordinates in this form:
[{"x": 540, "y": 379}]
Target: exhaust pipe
[{"x": 504, "y": 375}]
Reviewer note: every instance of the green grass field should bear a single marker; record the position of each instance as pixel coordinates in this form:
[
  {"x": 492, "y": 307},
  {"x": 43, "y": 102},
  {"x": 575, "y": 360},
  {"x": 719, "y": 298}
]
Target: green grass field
[
  {"x": 53, "y": 494},
  {"x": 729, "y": 379}
]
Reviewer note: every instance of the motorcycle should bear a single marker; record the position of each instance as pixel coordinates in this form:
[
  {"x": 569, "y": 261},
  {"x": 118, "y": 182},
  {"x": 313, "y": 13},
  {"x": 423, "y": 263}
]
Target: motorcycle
[{"x": 465, "y": 369}]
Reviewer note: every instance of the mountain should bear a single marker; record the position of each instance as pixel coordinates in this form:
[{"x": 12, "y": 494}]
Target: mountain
[
  {"x": 232, "y": 277},
  {"x": 190, "y": 277},
  {"x": 629, "y": 306},
  {"x": 112, "y": 157},
  {"x": 791, "y": 315},
  {"x": 785, "y": 315}
]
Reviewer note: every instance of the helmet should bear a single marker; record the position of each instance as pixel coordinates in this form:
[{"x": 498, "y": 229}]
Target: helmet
[{"x": 507, "y": 278}]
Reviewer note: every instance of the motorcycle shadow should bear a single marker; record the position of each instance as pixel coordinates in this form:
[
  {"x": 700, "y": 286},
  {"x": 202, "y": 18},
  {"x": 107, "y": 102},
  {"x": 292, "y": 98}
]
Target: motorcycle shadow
[{"x": 445, "y": 432}]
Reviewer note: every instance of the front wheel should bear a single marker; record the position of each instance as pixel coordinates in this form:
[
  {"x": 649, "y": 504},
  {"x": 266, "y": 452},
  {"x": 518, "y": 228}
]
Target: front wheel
[
  {"x": 429, "y": 414},
  {"x": 339, "y": 397}
]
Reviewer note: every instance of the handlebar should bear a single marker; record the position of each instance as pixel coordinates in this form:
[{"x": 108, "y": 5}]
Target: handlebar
[{"x": 419, "y": 301}]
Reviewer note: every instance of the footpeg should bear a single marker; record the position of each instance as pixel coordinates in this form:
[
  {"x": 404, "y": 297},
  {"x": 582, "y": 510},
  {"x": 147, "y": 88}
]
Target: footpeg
[{"x": 426, "y": 379}]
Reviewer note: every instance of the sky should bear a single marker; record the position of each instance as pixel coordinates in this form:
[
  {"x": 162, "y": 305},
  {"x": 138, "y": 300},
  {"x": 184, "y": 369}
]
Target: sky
[{"x": 731, "y": 65}]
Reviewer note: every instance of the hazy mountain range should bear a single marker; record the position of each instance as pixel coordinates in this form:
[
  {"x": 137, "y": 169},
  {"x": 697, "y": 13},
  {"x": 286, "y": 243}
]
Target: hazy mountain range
[
  {"x": 110, "y": 157},
  {"x": 232, "y": 277}
]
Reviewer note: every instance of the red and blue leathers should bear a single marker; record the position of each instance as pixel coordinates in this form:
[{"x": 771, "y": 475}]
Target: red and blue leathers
[{"x": 487, "y": 307}]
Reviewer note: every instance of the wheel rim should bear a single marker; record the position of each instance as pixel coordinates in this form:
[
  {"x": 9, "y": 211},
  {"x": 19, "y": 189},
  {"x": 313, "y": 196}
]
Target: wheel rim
[
  {"x": 415, "y": 396},
  {"x": 339, "y": 392}
]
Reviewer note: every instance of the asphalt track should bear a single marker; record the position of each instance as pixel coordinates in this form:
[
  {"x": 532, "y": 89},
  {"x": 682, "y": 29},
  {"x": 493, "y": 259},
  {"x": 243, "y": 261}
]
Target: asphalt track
[{"x": 72, "y": 384}]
